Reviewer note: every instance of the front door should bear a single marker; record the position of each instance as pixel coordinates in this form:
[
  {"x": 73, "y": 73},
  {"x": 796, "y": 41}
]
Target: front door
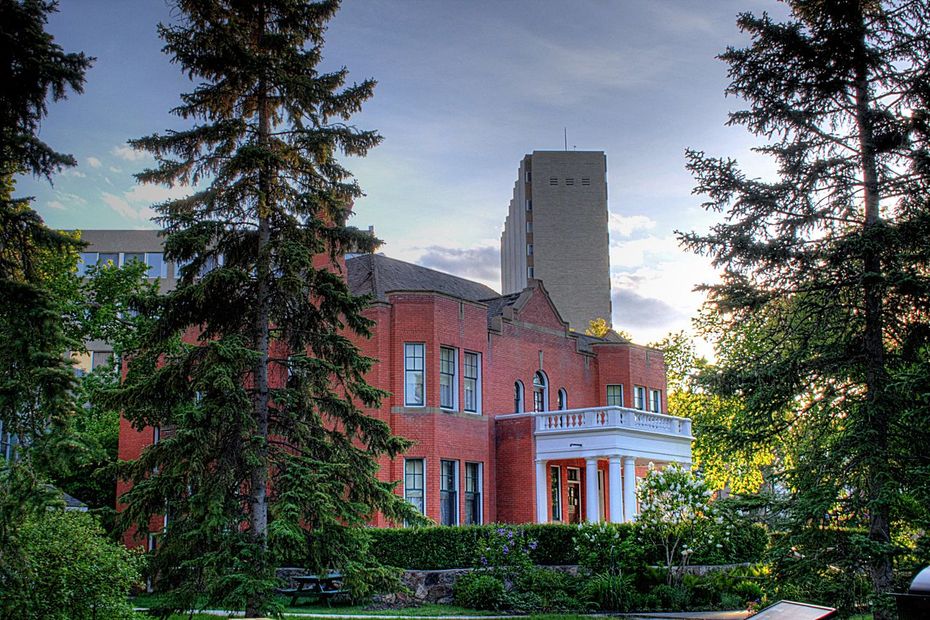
[{"x": 574, "y": 495}]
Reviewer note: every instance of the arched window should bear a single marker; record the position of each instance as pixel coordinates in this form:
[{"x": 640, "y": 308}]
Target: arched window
[
  {"x": 518, "y": 397},
  {"x": 563, "y": 399},
  {"x": 540, "y": 391}
]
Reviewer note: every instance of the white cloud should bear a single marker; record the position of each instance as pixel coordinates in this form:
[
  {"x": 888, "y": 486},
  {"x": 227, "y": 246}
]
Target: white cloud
[
  {"x": 93, "y": 162},
  {"x": 122, "y": 207},
  {"x": 153, "y": 194},
  {"x": 128, "y": 153},
  {"x": 626, "y": 225},
  {"x": 71, "y": 172},
  {"x": 54, "y": 204},
  {"x": 115, "y": 169}
]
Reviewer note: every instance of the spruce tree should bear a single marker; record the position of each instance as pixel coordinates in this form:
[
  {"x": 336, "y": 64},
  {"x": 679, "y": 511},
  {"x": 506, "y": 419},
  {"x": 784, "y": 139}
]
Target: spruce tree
[
  {"x": 250, "y": 370},
  {"x": 36, "y": 380},
  {"x": 825, "y": 292}
]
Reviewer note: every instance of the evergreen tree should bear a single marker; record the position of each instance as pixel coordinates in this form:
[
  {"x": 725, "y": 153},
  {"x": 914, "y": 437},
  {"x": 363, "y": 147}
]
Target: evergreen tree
[
  {"x": 249, "y": 370},
  {"x": 825, "y": 290},
  {"x": 36, "y": 379}
]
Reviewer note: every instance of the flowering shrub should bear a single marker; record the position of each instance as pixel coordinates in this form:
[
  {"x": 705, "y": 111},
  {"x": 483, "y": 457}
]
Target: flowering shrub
[
  {"x": 676, "y": 513},
  {"x": 505, "y": 553},
  {"x": 607, "y": 548}
]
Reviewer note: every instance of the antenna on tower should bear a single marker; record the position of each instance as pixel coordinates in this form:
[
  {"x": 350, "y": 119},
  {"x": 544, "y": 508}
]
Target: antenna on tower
[{"x": 565, "y": 135}]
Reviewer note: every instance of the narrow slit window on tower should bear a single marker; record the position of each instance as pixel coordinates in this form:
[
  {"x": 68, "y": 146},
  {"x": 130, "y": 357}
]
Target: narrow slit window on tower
[
  {"x": 553, "y": 180},
  {"x": 570, "y": 181},
  {"x": 586, "y": 180}
]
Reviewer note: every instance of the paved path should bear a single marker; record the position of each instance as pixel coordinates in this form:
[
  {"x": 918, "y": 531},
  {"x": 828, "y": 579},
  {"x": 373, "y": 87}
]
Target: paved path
[{"x": 657, "y": 615}]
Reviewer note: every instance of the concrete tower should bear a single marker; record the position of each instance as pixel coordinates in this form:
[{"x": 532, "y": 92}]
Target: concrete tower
[{"x": 556, "y": 231}]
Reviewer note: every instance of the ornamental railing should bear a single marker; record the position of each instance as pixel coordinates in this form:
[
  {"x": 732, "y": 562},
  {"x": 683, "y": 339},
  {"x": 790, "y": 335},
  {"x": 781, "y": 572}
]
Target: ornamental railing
[{"x": 595, "y": 418}]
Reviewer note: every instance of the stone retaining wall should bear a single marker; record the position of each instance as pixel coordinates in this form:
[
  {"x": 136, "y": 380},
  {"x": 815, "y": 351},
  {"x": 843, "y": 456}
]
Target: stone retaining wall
[{"x": 435, "y": 586}]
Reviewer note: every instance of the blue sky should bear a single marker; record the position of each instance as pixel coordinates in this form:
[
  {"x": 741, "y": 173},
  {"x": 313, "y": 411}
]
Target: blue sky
[{"x": 465, "y": 89}]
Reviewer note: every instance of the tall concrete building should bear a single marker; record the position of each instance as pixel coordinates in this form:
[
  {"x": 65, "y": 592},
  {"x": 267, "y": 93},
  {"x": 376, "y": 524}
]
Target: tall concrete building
[{"x": 556, "y": 231}]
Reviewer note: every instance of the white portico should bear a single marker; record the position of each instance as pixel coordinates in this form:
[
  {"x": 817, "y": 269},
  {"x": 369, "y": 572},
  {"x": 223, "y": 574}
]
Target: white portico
[{"x": 611, "y": 442}]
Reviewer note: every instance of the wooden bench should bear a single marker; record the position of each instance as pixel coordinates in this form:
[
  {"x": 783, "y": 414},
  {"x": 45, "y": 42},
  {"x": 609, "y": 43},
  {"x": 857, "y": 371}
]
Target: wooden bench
[{"x": 322, "y": 587}]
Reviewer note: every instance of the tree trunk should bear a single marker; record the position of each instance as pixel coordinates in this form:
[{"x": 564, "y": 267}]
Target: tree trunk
[
  {"x": 873, "y": 347},
  {"x": 258, "y": 516}
]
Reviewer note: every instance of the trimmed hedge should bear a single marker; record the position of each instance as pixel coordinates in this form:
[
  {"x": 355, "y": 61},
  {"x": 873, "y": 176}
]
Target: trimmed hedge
[{"x": 444, "y": 547}]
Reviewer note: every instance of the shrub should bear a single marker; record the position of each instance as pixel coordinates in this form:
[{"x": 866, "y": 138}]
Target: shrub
[
  {"x": 671, "y": 598},
  {"x": 72, "y": 571},
  {"x": 557, "y": 591},
  {"x": 480, "y": 591},
  {"x": 608, "y": 548},
  {"x": 610, "y": 592}
]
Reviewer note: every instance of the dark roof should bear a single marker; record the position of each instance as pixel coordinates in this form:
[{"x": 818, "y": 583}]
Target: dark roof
[{"x": 376, "y": 275}]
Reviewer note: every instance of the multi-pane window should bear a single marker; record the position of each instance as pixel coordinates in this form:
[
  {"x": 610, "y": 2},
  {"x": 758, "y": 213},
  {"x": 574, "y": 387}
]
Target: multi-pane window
[
  {"x": 555, "y": 492},
  {"x": 447, "y": 383},
  {"x": 414, "y": 483},
  {"x": 655, "y": 401},
  {"x": 472, "y": 493},
  {"x": 448, "y": 496},
  {"x": 563, "y": 399},
  {"x": 529, "y": 272},
  {"x": 414, "y": 362},
  {"x": 518, "y": 397},
  {"x": 614, "y": 395},
  {"x": 639, "y": 397},
  {"x": 156, "y": 263},
  {"x": 539, "y": 391},
  {"x": 472, "y": 375},
  {"x": 529, "y": 249}
]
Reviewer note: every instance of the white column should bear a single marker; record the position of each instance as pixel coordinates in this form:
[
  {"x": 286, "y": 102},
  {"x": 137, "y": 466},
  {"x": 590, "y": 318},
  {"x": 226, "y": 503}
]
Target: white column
[
  {"x": 592, "y": 505},
  {"x": 542, "y": 506},
  {"x": 629, "y": 488},
  {"x": 615, "y": 488}
]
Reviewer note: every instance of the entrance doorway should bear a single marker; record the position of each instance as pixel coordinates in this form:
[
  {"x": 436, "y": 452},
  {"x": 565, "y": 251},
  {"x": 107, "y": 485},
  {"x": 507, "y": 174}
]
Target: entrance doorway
[{"x": 573, "y": 507}]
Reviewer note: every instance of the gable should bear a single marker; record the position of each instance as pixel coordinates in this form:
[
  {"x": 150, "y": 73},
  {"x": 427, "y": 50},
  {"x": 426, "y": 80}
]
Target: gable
[{"x": 536, "y": 307}]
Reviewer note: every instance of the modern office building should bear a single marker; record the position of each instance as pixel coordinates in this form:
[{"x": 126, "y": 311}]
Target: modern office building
[{"x": 556, "y": 231}]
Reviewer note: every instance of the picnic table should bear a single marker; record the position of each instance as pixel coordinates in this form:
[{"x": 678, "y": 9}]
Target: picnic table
[{"x": 321, "y": 587}]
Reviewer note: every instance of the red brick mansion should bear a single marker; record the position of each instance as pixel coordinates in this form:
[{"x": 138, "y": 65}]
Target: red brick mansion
[{"x": 515, "y": 417}]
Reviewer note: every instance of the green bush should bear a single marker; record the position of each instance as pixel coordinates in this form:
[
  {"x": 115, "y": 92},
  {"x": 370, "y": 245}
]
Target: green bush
[
  {"x": 671, "y": 598},
  {"x": 480, "y": 591},
  {"x": 610, "y": 592},
  {"x": 557, "y": 591},
  {"x": 71, "y": 571},
  {"x": 443, "y": 547}
]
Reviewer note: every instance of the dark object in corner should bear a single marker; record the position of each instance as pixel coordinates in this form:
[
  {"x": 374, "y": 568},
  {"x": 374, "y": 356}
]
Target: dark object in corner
[{"x": 915, "y": 605}]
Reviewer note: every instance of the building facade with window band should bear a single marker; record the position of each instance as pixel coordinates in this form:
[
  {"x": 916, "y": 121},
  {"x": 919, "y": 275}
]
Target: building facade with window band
[{"x": 514, "y": 417}]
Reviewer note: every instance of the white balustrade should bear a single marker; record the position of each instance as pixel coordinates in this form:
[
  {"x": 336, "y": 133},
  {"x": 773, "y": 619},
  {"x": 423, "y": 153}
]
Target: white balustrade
[{"x": 611, "y": 417}]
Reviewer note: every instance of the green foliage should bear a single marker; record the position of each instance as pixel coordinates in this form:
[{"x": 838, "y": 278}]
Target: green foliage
[
  {"x": 460, "y": 547},
  {"x": 480, "y": 591},
  {"x": 610, "y": 592},
  {"x": 822, "y": 303},
  {"x": 608, "y": 548},
  {"x": 71, "y": 571}
]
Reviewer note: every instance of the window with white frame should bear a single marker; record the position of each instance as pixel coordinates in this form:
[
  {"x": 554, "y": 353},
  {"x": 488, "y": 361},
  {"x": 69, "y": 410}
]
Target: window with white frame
[
  {"x": 472, "y": 378},
  {"x": 614, "y": 395},
  {"x": 655, "y": 401},
  {"x": 447, "y": 381},
  {"x": 529, "y": 272},
  {"x": 448, "y": 493},
  {"x": 540, "y": 391},
  {"x": 563, "y": 399},
  {"x": 529, "y": 249},
  {"x": 415, "y": 484},
  {"x": 639, "y": 397},
  {"x": 518, "y": 397},
  {"x": 472, "y": 493},
  {"x": 157, "y": 266},
  {"x": 414, "y": 363}
]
